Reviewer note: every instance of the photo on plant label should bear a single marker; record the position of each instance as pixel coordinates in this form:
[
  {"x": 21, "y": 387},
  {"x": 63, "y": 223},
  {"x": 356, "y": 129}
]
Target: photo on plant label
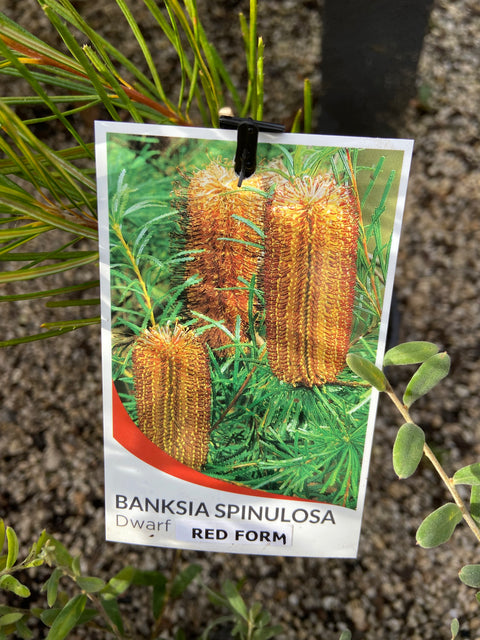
[{"x": 233, "y": 308}]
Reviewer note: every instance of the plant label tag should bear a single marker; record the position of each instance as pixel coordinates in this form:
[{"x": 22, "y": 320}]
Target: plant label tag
[{"x": 232, "y": 422}]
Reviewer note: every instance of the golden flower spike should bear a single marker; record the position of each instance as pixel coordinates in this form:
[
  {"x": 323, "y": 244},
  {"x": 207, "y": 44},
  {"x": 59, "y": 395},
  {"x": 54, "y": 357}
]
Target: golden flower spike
[
  {"x": 311, "y": 233},
  {"x": 173, "y": 392},
  {"x": 229, "y": 257}
]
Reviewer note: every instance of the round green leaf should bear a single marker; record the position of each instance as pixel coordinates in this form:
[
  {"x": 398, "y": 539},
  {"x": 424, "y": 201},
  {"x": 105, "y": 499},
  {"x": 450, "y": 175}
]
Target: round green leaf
[
  {"x": 468, "y": 475},
  {"x": 470, "y": 575},
  {"x": 427, "y": 376},
  {"x": 408, "y": 449},
  {"x": 367, "y": 371},
  {"x": 438, "y": 527},
  {"x": 410, "y": 353}
]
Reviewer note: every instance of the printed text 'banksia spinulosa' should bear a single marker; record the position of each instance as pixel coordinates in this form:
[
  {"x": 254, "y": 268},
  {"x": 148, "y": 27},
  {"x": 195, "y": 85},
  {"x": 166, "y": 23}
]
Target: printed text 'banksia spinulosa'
[
  {"x": 173, "y": 393},
  {"x": 228, "y": 257},
  {"x": 311, "y": 234}
]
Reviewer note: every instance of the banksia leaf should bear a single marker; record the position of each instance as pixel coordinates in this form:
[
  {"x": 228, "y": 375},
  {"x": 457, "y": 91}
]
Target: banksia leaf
[
  {"x": 173, "y": 393},
  {"x": 311, "y": 233},
  {"x": 223, "y": 221}
]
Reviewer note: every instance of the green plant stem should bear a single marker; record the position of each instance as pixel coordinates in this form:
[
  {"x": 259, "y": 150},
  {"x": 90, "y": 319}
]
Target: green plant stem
[
  {"x": 173, "y": 574},
  {"x": 118, "y": 231},
  {"x": 428, "y": 453}
]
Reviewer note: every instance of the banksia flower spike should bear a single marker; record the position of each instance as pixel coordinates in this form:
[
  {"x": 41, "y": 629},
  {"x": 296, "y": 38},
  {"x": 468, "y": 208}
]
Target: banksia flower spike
[
  {"x": 173, "y": 393},
  {"x": 311, "y": 233},
  {"x": 228, "y": 256}
]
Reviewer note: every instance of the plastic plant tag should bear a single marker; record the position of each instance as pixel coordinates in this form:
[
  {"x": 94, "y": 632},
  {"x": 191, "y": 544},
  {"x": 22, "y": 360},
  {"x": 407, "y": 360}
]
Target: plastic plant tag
[{"x": 232, "y": 421}]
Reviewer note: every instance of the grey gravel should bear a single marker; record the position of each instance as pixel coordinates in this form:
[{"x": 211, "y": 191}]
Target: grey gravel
[{"x": 51, "y": 475}]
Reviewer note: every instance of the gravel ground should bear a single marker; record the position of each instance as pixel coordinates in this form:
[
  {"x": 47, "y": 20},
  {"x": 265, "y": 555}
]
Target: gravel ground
[{"x": 51, "y": 475}]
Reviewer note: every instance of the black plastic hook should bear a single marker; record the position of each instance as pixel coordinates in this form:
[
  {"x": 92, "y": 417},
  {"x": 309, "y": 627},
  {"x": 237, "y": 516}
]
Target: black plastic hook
[{"x": 247, "y": 138}]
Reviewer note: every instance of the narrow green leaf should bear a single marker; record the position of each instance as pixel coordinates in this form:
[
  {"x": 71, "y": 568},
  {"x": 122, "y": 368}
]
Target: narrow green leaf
[
  {"x": 427, "y": 376},
  {"x": 2, "y": 534},
  {"x": 48, "y": 616},
  {"x": 249, "y": 223},
  {"x": 111, "y": 608},
  {"x": 52, "y": 586},
  {"x": 408, "y": 449},
  {"x": 12, "y": 547},
  {"x": 87, "y": 68},
  {"x": 10, "y": 618},
  {"x": 22, "y": 629},
  {"x": 367, "y": 371},
  {"x": 470, "y": 575},
  {"x": 36, "y": 562},
  {"x": 307, "y": 106},
  {"x": 148, "y": 578},
  {"x": 468, "y": 475},
  {"x": 260, "y": 79},
  {"x": 158, "y": 599},
  {"x": 67, "y": 618},
  {"x": 345, "y": 635},
  {"x": 438, "y": 527},
  {"x": 234, "y": 599},
  {"x": 76, "y": 566},
  {"x": 37, "y": 336},
  {"x": 296, "y": 124},
  {"x": 10, "y": 583},
  {"x": 47, "y": 270},
  {"x": 90, "y": 584},
  {"x": 120, "y": 582},
  {"x": 63, "y": 304},
  {"x": 183, "y": 579},
  {"x": 71, "y": 324},
  {"x": 144, "y": 47},
  {"x": 61, "y": 555},
  {"x": 267, "y": 632},
  {"x": 410, "y": 353},
  {"x": 50, "y": 292},
  {"x": 42, "y": 540},
  {"x": 36, "y": 86}
]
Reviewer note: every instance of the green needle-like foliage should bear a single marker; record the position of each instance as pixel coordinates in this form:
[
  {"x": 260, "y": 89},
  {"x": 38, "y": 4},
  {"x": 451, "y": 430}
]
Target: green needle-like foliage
[{"x": 42, "y": 190}]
